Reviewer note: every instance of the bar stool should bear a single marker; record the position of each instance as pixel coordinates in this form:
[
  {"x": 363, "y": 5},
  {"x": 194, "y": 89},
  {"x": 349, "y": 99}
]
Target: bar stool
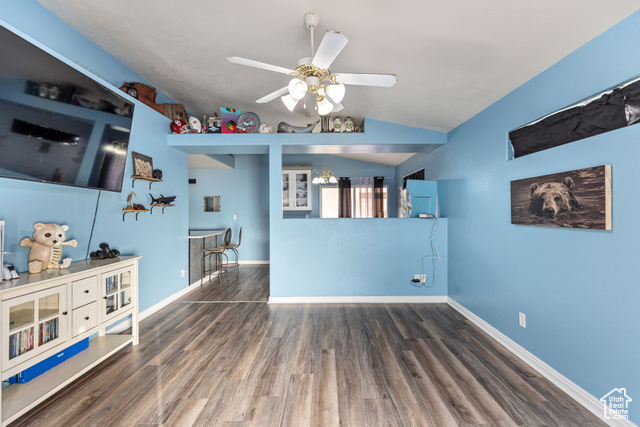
[
  {"x": 218, "y": 251},
  {"x": 234, "y": 248}
]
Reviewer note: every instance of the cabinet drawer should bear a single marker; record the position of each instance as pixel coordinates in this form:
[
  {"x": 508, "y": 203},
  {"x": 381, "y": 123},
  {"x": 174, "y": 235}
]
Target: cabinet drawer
[
  {"x": 85, "y": 318},
  {"x": 85, "y": 291}
]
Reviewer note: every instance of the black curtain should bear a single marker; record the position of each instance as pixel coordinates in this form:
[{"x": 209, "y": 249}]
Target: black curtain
[
  {"x": 417, "y": 175},
  {"x": 613, "y": 110},
  {"x": 378, "y": 197},
  {"x": 344, "y": 197}
]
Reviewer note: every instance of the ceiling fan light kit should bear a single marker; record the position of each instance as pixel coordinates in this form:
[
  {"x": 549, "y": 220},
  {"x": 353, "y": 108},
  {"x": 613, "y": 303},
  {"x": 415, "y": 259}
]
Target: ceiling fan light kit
[
  {"x": 314, "y": 76},
  {"x": 297, "y": 89},
  {"x": 324, "y": 106},
  {"x": 336, "y": 92},
  {"x": 290, "y": 102}
]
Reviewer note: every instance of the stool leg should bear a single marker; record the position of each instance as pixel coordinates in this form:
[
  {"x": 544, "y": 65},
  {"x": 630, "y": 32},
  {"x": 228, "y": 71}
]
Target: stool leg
[
  {"x": 235, "y": 251},
  {"x": 202, "y": 265},
  {"x": 219, "y": 260},
  {"x": 227, "y": 267}
]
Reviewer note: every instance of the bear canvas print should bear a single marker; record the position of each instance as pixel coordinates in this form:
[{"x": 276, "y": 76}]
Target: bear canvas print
[{"x": 576, "y": 199}]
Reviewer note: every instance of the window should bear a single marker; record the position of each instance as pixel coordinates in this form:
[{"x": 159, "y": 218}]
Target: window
[
  {"x": 417, "y": 175},
  {"x": 328, "y": 202},
  {"x": 361, "y": 202}
]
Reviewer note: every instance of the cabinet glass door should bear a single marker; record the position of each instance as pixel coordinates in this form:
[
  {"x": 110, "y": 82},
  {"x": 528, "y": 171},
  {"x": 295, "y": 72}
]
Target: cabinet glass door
[
  {"x": 21, "y": 341},
  {"x": 21, "y": 315},
  {"x": 125, "y": 297},
  {"x": 285, "y": 190},
  {"x": 117, "y": 292},
  {"x": 125, "y": 280},
  {"x": 125, "y": 286},
  {"x": 48, "y": 318},
  {"x": 302, "y": 190},
  {"x": 33, "y": 323},
  {"x": 111, "y": 293}
]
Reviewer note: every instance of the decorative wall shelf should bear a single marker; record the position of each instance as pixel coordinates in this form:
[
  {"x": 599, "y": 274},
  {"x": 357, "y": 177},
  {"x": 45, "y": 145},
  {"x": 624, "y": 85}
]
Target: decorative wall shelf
[
  {"x": 137, "y": 211},
  {"x": 158, "y": 205},
  {"x": 143, "y": 178}
]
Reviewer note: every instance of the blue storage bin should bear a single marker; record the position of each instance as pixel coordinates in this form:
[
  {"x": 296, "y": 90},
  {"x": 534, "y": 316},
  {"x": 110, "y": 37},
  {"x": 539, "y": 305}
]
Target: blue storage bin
[{"x": 42, "y": 367}]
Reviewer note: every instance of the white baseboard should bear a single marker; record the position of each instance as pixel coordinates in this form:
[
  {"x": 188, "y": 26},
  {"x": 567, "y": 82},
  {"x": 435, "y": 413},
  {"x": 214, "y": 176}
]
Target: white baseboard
[
  {"x": 360, "y": 300},
  {"x": 586, "y": 399},
  {"x": 253, "y": 262}
]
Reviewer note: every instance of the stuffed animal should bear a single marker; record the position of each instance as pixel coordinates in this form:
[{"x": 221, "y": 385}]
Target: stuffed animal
[{"x": 46, "y": 247}]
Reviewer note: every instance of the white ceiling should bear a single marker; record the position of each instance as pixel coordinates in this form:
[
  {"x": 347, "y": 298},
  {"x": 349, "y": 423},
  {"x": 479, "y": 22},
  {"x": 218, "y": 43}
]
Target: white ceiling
[
  {"x": 387, "y": 159},
  {"x": 453, "y": 58},
  {"x": 202, "y": 161}
]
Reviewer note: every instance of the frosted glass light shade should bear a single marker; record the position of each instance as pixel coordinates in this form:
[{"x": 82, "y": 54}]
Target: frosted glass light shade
[
  {"x": 324, "y": 107},
  {"x": 336, "y": 92},
  {"x": 333, "y": 180},
  {"x": 297, "y": 89},
  {"x": 316, "y": 180},
  {"x": 289, "y": 102}
]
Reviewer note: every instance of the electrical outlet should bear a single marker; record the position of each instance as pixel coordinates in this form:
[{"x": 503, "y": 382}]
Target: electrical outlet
[
  {"x": 235, "y": 217},
  {"x": 522, "y": 320},
  {"x": 416, "y": 277},
  {"x": 423, "y": 278},
  {"x": 183, "y": 272}
]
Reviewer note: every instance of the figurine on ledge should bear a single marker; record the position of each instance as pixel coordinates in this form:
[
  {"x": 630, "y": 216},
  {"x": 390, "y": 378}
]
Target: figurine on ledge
[
  {"x": 104, "y": 252},
  {"x": 162, "y": 200}
]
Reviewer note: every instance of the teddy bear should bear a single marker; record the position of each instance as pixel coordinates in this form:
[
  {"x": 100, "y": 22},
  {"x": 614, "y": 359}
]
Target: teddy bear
[{"x": 46, "y": 247}]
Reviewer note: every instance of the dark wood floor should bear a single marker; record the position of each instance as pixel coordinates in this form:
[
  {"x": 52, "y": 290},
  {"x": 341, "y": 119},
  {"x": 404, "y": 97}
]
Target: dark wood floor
[
  {"x": 254, "y": 364},
  {"x": 251, "y": 285}
]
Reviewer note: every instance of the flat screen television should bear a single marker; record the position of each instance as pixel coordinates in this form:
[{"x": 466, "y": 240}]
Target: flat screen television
[{"x": 58, "y": 125}]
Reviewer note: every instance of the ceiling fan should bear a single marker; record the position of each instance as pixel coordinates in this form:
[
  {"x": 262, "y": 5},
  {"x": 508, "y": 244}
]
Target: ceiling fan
[{"x": 312, "y": 74}]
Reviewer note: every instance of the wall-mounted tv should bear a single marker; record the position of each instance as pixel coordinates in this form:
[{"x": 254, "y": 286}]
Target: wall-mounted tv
[{"x": 58, "y": 125}]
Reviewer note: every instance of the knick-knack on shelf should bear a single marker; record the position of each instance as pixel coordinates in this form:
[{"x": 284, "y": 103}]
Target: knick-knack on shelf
[
  {"x": 348, "y": 125},
  {"x": 337, "y": 125}
]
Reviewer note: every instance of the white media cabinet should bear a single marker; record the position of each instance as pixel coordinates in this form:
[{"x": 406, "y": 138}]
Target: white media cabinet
[{"x": 42, "y": 314}]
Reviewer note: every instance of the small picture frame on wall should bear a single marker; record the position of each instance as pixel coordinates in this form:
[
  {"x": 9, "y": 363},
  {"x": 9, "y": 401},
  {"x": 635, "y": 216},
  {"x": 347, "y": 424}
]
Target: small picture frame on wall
[
  {"x": 212, "y": 203},
  {"x": 142, "y": 165}
]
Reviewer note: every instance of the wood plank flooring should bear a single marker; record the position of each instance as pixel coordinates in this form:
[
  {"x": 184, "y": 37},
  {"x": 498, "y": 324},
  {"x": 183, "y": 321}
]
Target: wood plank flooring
[
  {"x": 251, "y": 285},
  {"x": 254, "y": 364}
]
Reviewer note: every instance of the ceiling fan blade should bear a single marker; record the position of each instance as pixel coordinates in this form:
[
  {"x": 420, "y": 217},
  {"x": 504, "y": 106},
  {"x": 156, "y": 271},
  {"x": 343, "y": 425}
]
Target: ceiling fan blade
[
  {"x": 382, "y": 80},
  {"x": 329, "y": 49},
  {"x": 256, "y": 64},
  {"x": 273, "y": 95}
]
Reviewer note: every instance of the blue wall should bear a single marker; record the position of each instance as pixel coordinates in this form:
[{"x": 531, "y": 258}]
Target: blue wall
[
  {"x": 340, "y": 166},
  {"x": 243, "y": 191},
  {"x": 578, "y": 288},
  {"x": 350, "y": 257},
  {"x": 357, "y": 257},
  {"x": 156, "y": 237}
]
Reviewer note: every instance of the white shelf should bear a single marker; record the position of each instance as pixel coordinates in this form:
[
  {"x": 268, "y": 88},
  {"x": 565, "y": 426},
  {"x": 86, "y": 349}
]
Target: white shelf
[{"x": 17, "y": 399}]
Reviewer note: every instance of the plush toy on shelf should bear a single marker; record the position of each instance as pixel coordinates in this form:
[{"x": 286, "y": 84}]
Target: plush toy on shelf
[{"x": 46, "y": 247}]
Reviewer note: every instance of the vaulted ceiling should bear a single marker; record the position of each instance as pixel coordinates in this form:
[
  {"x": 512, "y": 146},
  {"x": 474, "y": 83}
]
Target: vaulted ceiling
[{"x": 452, "y": 58}]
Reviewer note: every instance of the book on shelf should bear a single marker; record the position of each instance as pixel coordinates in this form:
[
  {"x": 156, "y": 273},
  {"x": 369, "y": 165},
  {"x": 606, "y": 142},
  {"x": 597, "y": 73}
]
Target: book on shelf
[{"x": 20, "y": 342}]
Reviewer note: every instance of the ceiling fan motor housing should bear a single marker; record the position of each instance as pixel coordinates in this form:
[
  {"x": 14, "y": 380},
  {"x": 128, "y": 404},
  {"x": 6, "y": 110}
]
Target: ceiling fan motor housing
[{"x": 311, "y": 20}]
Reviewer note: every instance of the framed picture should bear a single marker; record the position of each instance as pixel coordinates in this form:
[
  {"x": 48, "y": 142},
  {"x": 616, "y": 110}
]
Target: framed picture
[
  {"x": 576, "y": 199},
  {"x": 142, "y": 165}
]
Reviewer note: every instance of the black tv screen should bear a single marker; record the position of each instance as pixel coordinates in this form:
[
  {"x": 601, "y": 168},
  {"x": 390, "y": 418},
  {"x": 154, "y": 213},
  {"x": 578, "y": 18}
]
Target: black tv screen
[{"x": 58, "y": 125}]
